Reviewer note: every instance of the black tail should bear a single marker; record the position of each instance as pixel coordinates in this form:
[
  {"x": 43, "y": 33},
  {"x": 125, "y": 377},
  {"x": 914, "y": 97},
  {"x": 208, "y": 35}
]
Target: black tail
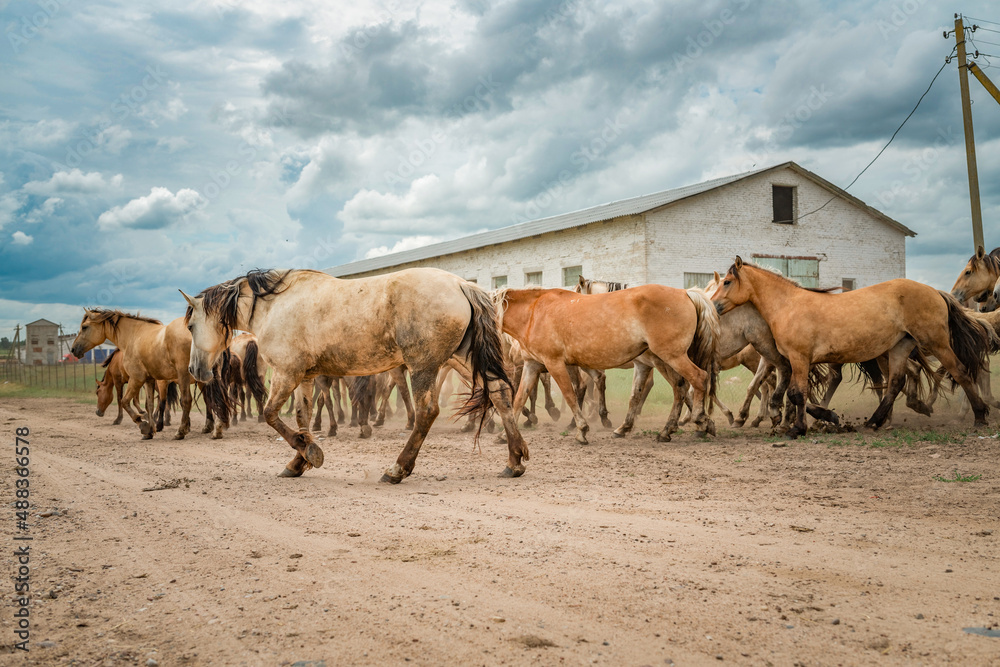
[
  {"x": 251, "y": 375},
  {"x": 871, "y": 375},
  {"x": 970, "y": 339},
  {"x": 485, "y": 352},
  {"x": 107, "y": 362},
  {"x": 172, "y": 400},
  {"x": 217, "y": 399}
]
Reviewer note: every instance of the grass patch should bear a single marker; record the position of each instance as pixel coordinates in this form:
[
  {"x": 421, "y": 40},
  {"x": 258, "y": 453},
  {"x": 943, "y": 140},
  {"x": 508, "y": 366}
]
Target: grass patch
[{"x": 957, "y": 478}]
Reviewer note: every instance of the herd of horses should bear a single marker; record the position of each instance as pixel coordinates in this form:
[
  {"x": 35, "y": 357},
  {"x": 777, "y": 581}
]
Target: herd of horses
[{"x": 317, "y": 337}]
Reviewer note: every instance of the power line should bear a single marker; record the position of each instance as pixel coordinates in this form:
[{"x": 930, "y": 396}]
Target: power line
[{"x": 943, "y": 65}]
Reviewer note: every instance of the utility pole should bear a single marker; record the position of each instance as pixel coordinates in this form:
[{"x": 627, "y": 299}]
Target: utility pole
[{"x": 970, "y": 141}]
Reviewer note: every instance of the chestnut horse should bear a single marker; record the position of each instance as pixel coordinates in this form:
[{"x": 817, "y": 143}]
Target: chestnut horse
[
  {"x": 151, "y": 350},
  {"x": 650, "y": 326},
  {"x": 889, "y": 318},
  {"x": 309, "y": 323}
]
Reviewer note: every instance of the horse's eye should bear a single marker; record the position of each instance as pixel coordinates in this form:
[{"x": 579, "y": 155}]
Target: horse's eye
[
  {"x": 726, "y": 283},
  {"x": 968, "y": 273},
  {"x": 190, "y": 327}
]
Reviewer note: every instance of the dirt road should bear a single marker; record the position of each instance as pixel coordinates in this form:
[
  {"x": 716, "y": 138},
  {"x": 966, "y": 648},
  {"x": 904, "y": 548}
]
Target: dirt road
[{"x": 834, "y": 550}]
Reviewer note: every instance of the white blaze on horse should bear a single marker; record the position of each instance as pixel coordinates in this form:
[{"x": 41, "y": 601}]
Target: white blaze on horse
[
  {"x": 309, "y": 323},
  {"x": 890, "y": 318}
]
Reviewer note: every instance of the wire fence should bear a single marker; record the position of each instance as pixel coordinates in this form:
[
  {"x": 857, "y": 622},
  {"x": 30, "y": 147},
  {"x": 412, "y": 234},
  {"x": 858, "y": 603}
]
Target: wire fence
[{"x": 79, "y": 376}]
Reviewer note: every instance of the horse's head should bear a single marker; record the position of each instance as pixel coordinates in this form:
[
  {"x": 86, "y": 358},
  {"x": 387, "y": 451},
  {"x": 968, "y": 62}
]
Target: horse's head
[
  {"x": 978, "y": 278},
  {"x": 209, "y": 337},
  {"x": 104, "y": 395},
  {"x": 91, "y": 334},
  {"x": 732, "y": 291}
]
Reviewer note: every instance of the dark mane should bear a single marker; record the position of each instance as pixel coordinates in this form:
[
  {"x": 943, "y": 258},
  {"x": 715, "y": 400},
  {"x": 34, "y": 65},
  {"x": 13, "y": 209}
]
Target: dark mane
[
  {"x": 223, "y": 300},
  {"x": 992, "y": 260},
  {"x": 107, "y": 362},
  {"x": 112, "y": 317}
]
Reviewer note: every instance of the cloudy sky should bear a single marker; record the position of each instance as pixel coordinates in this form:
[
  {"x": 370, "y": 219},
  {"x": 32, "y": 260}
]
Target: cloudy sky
[{"x": 144, "y": 149}]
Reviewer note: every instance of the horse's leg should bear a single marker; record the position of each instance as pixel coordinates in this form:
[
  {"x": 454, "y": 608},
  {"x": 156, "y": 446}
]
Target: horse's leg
[
  {"x": 951, "y": 364},
  {"x": 725, "y": 409},
  {"x": 639, "y": 375},
  {"x": 783, "y": 371},
  {"x": 599, "y": 385},
  {"x": 765, "y": 400},
  {"x": 209, "y": 413},
  {"x": 150, "y": 386},
  {"x": 303, "y": 404},
  {"x": 574, "y": 398},
  {"x": 836, "y": 377},
  {"x": 764, "y": 370},
  {"x": 798, "y": 389},
  {"x": 403, "y": 392},
  {"x": 895, "y": 360},
  {"x": 118, "y": 394},
  {"x": 135, "y": 384},
  {"x": 679, "y": 389},
  {"x": 550, "y": 405},
  {"x": 319, "y": 400},
  {"x": 579, "y": 391},
  {"x": 307, "y": 453},
  {"x": 184, "y": 387},
  {"x": 426, "y": 411},
  {"x": 161, "y": 403},
  {"x": 504, "y": 403},
  {"x": 648, "y": 387}
]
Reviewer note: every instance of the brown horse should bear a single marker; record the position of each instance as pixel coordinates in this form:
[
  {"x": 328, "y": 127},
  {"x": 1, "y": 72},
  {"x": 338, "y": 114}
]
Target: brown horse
[
  {"x": 651, "y": 326},
  {"x": 979, "y": 278},
  {"x": 309, "y": 323},
  {"x": 888, "y": 318},
  {"x": 151, "y": 350}
]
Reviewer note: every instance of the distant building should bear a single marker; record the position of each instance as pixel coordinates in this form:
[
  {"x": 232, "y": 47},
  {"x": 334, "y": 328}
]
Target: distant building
[
  {"x": 785, "y": 217},
  {"x": 42, "y": 343}
]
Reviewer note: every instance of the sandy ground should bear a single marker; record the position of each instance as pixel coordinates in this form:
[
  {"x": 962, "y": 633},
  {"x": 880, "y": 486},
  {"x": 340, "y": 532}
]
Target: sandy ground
[{"x": 834, "y": 550}]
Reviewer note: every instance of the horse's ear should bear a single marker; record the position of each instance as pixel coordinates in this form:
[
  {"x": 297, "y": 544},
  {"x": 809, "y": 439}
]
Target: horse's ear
[
  {"x": 980, "y": 252},
  {"x": 739, "y": 262},
  {"x": 187, "y": 298},
  {"x": 717, "y": 276},
  {"x": 583, "y": 281}
]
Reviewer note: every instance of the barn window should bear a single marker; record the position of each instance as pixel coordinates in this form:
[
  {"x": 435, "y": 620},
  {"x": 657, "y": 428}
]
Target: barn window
[
  {"x": 848, "y": 284},
  {"x": 472, "y": 280},
  {"x": 697, "y": 279},
  {"x": 34, "y": 341},
  {"x": 533, "y": 278},
  {"x": 803, "y": 270},
  {"x": 571, "y": 275},
  {"x": 783, "y": 199},
  {"x": 499, "y": 281}
]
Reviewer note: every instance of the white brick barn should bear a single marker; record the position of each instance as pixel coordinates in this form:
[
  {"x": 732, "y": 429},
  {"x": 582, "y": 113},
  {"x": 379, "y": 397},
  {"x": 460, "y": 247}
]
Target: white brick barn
[{"x": 679, "y": 237}]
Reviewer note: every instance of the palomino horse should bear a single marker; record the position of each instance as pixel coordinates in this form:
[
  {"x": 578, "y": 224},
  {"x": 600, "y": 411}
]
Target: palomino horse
[
  {"x": 888, "y": 318},
  {"x": 651, "y": 326},
  {"x": 979, "y": 278},
  {"x": 246, "y": 377},
  {"x": 151, "y": 350},
  {"x": 309, "y": 323},
  {"x": 113, "y": 383}
]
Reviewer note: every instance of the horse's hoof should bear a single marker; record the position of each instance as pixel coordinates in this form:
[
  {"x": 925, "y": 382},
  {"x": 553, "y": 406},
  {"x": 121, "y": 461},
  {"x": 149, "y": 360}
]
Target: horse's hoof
[
  {"x": 314, "y": 455},
  {"x": 981, "y": 423},
  {"x": 290, "y": 473},
  {"x": 385, "y": 478},
  {"x": 366, "y": 432},
  {"x": 117, "y": 421},
  {"x": 709, "y": 427},
  {"x": 738, "y": 423},
  {"x": 317, "y": 427},
  {"x": 616, "y": 434},
  {"x": 409, "y": 425},
  {"x": 332, "y": 432},
  {"x": 508, "y": 473},
  {"x": 662, "y": 438},
  {"x": 582, "y": 440},
  {"x": 606, "y": 423},
  {"x": 490, "y": 426},
  {"x": 216, "y": 436},
  {"x": 379, "y": 422},
  {"x": 469, "y": 426},
  {"x": 554, "y": 413},
  {"x": 145, "y": 429},
  {"x": 178, "y": 436},
  {"x": 731, "y": 420},
  {"x": 260, "y": 419}
]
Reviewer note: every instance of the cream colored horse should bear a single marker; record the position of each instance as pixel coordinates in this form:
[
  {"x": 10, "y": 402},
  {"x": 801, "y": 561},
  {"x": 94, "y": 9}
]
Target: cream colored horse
[{"x": 309, "y": 323}]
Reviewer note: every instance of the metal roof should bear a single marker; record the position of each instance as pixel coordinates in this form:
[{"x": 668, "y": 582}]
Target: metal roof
[{"x": 600, "y": 213}]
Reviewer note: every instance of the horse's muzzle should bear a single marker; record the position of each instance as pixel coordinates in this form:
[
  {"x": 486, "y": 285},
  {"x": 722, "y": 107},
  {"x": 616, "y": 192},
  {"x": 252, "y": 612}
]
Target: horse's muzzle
[{"x": 719, "y": 308}]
